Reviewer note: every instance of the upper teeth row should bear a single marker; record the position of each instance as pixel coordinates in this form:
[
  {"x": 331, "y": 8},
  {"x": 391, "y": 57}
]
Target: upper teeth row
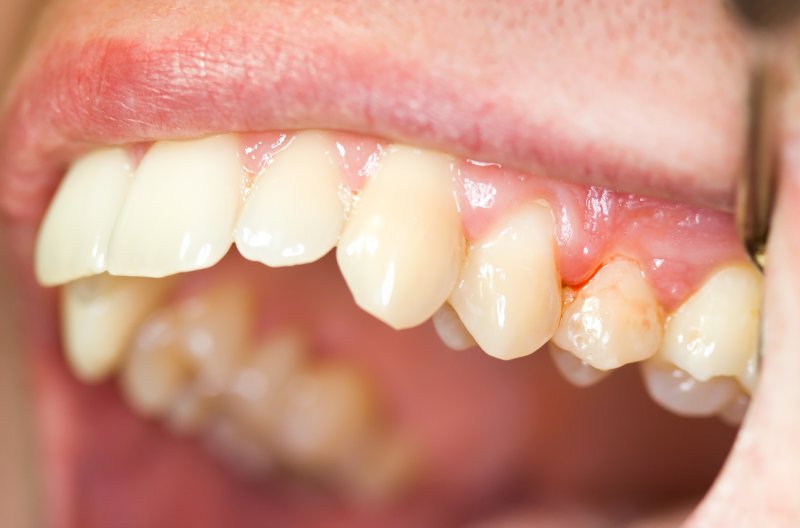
[{"x": 401, "y": 249}]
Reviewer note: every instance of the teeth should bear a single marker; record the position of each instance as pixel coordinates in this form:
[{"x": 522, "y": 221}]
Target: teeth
[
  {"x": 715, "y": 332},
  {"x": 613, "y": 320},
  {"x": 185, "y": 354},
  {"x": 509, "y": 291},
  {"x": 735, "y": 412},
  {"x": 676, "y": 390},
  {"x": 294, "y": 214},
  {"x": 403, "y": 247},
  {"x": 451, "y": 330},
  {"x": 180, "y": 210},
  {"x": 99, "y": 316},
  {"x": 73, "y": 240},
  {"x": 575, "y": 370}
]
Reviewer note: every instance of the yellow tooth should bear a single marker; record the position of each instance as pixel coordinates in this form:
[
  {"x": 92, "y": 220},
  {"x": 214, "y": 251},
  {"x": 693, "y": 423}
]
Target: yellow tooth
[
  {"x": 509, "y": 292},
  {"x": 180, "y": 210},
  {"x": 677, "y": 391},
  {"x": 294, "y": 213},
  {"x": 403, "y": 247},
  {"x": 451, "y": 330},
  {"x": 99, "y": 316},
  {"x": 575, "y": 370},
  {"x": 715, "y": 332},
  {"x": 184, "y": 355},
  {"x": 73, "y": 239},
  {"x": 613, "y": 320}
]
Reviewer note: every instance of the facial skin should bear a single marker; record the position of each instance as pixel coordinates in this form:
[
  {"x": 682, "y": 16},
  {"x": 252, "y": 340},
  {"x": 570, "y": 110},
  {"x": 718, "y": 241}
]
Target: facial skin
[{"x": 643, "y": 98}]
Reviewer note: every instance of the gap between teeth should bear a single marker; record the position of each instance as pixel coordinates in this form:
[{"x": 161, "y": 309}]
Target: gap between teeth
[{"x": 401, "y": 249}]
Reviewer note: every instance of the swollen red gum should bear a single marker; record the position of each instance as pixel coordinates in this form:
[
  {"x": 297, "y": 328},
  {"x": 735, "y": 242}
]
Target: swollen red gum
[{"x": 678, "y": 246}]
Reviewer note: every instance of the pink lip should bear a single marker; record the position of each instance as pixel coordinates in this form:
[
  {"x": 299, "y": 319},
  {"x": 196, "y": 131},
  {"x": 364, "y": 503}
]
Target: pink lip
[{"x": 572, "y": 112}]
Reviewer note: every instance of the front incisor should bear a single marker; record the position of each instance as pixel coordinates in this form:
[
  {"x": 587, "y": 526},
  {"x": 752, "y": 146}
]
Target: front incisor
[
  {"x": 613, "y": 320},
  {"x": 509, "y": 292},
  {"x": 402, "y": 249}
]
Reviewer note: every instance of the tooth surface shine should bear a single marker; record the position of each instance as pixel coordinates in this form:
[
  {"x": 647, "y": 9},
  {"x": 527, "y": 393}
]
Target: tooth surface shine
[
  {"x": 509, "y": 292},
  {"x": 401, "y": 252},
  {"x": 613, "y": 320},
  {"x": 73, "y": 239},
  {"x": 294, "y": 214},
  {"x": 181, "y": 208}
]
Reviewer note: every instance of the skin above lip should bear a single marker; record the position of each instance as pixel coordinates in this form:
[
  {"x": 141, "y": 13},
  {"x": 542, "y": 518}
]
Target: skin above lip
[{"x": 659, "y": 102}]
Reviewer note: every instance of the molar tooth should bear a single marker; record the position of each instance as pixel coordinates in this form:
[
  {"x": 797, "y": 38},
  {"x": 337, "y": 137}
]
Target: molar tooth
[
  {"x": 73, "y": 239},
  {"x": 451, "y": 330},
  {"x": 509, "y": 292},
  {"x": 574, "y": 369},
  {"x": 294, "y": 213},
  {"x": 715, "y": 332},
  {"x": 403, "y": 247},
  {"x": 180, "y": 210},
  {"x": 613, "y": 320},
  {"x": 676, "y": 390},
  {"x": 99, "y": 316}
]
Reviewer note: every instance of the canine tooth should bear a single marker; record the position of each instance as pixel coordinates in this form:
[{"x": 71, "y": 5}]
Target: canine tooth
[
  {"x": 676, "y": 390},
  {"x": 613, "y": 320},
  {"x": 509, "y": 292},
  {"x": 99, "y": 316},
  {"x": 294, "y": 213},
  {"x": 326, "y": 411},
  {"x": 403, "y": 247},
  {"x": 735, "y": 412},
  {"x": 715, "y": 332},
  {"x": 451, "y": 330},
  {"x": 185, "y": 354},
  {"x": 749, "y": 376},
  {"x": 180, "y": 210},
  {"x": 574, "y": 369},
  {"x": 73, "y": 239}
]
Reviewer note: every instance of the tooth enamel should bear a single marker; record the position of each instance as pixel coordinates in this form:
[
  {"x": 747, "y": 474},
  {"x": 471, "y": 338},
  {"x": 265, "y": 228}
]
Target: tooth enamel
[
  {"x": 186, "y": 353},
  {"x": 73, "y": 239},
  {"x": 181, "y": 208},
  {"x": 715, "y": 332},
  {"x": 735, "y": 412},
  {"x": 575, "y": 370},
  {"x": 509, "y": 292},
  {"x": 613, "y": 320},
  {"x": 403, "y": 247},
  {"x": 749, "y": 376},
  {"x": 248, "y": 457},
  {"x": 451, "y": 330},
  {"x": 676, "y": 390},
  {"x": 99, "y": 316},
  {"x": 294, "y": 213}
]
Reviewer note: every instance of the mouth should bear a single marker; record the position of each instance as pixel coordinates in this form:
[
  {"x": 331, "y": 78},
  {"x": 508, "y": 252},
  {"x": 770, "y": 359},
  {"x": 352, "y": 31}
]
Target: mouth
[{"x": 293, "y": 278}]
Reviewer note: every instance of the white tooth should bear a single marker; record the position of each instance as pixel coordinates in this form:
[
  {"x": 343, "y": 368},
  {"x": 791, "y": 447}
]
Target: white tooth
[
  {"x": 735, "y": 412},
  {"x": 509, "y": 292},
  {"x": 99, "y": 316},
  {"x": 451, "y": 330},
  {"x": 575, "y": 370},
  {"x": 715, "y": 332},
  {"x": 676, "y": 390},
  {"x": 181, "y": 208},
  {"x": 294, "y": 213},
  {"x": 749, "y": 377},
  {"x": 73, "y": 239},
  {"x": 613, "y": 320},
  {"x": 403, "y": 247}
]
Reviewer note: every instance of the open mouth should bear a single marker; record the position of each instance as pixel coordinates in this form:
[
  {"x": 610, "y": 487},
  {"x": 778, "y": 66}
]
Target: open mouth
[{"x": 306, "y": 277}]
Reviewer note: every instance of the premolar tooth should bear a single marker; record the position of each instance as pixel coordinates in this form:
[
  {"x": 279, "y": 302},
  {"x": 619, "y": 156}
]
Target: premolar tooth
[
  {"x": 509, "y": 291},
  {"x": 715, "y": 332},
  {"x": 613, "y": 320},
  {"x": 575, "y": 370},
  {"x": 676, "y": 390},
  {"x": 99, "y": 316},
  {"x": 294, "y": 213},
  {"x": 73, "y": 239},
  {"x": 451, "y": 330},
  {"x": 403, "y": 247},
  {"x": 181, "y": 208}
]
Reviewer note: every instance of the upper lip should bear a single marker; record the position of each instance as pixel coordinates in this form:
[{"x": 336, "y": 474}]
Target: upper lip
[{"x": 666, "y": 137}]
